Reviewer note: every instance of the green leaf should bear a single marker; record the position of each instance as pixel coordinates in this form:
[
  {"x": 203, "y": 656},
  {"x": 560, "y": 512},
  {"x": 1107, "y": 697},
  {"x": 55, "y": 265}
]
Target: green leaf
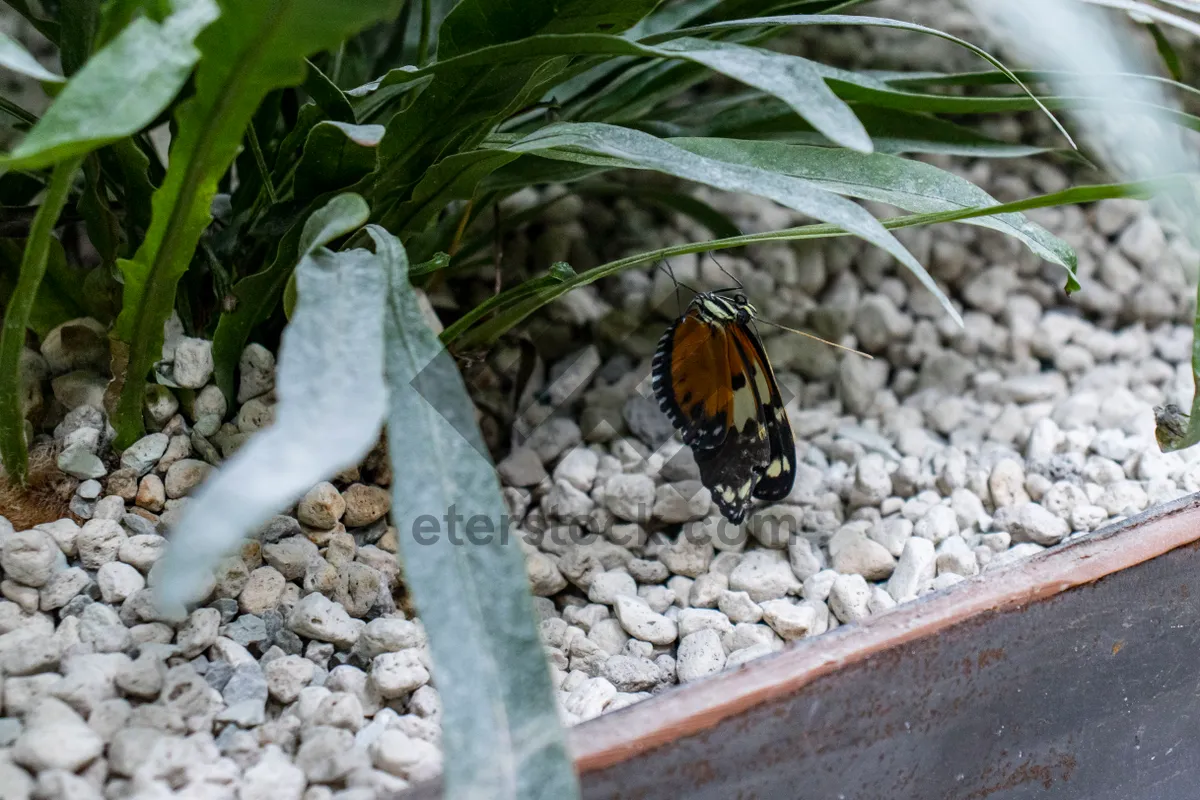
[
  {"x": 465, "y": 100},
  {"x": 16, "y": 58},
  {"x": 103, "y": 226},
  {"x": 610, "y": 145},
  {"x": 120, "y": 90},
  {"x": 53, "y": 306},
  {"x": 507, "y": 318},
  {"x": 250, "y": 51},
  {"x": 78, "y": 20},
  {"x": 1165, "y": 51},
  {"x": 336, "y": 155},
  {"x": 473, "y": 598},
  {"x": 892, "y": 130},
  {"x": 797, "y": 81},
  {"x": 16, "y": 318},
  {"x": 787, "y": 20},
  {"x": 327, "y": 95},
  {"x": 792, "y": 79},
  {"x": 257, "y": 294},
  {"x": 453, "y": 178},
  {"x": 910, "y": 185},
  {"x": 331, "y": 402}
]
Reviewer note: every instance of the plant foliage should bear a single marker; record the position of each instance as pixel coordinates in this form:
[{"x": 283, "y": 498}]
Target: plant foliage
[{"x": 318, "y": 147}]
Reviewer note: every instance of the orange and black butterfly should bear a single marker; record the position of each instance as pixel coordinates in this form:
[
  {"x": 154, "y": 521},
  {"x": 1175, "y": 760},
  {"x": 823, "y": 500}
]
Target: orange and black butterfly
[{"x": 713, "y": 380}]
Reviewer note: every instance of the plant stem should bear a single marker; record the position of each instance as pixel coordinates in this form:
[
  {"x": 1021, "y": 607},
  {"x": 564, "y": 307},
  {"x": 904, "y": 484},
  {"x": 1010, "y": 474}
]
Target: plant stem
[
  {"x": 261, "y": 163},
  {"x": 16, "y": 318},
  {"x": 423, "y": 42}
]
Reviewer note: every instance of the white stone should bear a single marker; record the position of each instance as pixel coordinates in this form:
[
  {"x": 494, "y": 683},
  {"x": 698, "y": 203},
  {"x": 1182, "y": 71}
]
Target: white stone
[
  {"x": 849, "y": 598},
  {"x": 856, "y": 554},
  {"x": 790, "y": 620},
  {"x": 1031, "y": 522},
  {"x": 937, "y": 524},
  {"x": 608, "y": 585},
  {"x": 956, "y": 556},
  {"x": 630, "y": 497},
  {"x": 641, "y": 622},
  {"x": 397, "y": 674},
  {"x": 320, "y": 618},
  {"x": 29, "y": 557},
  {"x": 118, "y": 581},
  {"x": 700, "y": 654},
  {"x": 588, "y": 699},
  {"x": 915, "y": 571},
  {"x": 56, "y": 737},
  {"x": 406, "y": 757},
  {"x": 193, "y": 363},
  {"x": 764, "y": 575},
  {"x": 738, "y": 607}
]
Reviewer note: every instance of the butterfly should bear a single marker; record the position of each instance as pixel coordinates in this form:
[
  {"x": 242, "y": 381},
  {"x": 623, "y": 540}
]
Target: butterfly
[{"x": 712, "y": 379}]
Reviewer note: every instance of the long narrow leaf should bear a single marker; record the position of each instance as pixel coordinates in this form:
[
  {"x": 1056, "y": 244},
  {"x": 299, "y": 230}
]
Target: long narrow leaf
[
  {"x": 472, "y": 594},
  {"x": 16, "y": 318},
  {"x": 257, "y": 294},
  {"x": 788, "y": 20},
  {"x": 331, "y": 404},
  {"x": 608, "y": 143},
  {"x": 16, "y": 58},
  {"x": 253, "y": 49},
  {"x": 910, "y": 185},
  {"x": 120, "y": 90},
  {"x": 797, "y": 81},
  {"x": 507, "y": 318}
]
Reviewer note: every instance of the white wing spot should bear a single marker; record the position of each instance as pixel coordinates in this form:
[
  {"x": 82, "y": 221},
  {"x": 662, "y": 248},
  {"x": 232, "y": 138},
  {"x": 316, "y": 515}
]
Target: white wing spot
[{"x": 775, "y": 470}]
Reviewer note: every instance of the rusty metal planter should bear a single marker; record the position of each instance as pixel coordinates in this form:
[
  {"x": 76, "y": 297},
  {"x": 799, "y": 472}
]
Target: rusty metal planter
[{"x": 1075, "y": 674}]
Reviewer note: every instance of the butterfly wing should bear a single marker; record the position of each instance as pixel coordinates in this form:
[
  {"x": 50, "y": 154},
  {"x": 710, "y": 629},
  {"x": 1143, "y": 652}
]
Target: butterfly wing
[
  {"x": 690, "y": 377},
  {"x": 780, "y": 472}
]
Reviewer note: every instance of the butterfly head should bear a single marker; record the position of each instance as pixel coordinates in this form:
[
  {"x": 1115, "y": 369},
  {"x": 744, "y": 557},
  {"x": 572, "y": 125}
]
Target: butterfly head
[{"x": 718, "y": 308}]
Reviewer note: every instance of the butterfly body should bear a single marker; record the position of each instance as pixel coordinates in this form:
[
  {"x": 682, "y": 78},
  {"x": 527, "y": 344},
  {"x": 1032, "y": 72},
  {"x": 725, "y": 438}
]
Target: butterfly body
[{"x": 712, "y": 378}]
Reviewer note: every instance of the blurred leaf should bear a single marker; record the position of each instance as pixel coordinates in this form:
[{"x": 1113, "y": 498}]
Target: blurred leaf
[
  {"x": 17, "y": 313},
  {"x": 16, "y": 58},
  {"x": 473, "y": 598},
  {"x": 453, "y": 178},
  {"x": 46, "y": 27},
  {"x": 19, "y": 188},
  {"x": 680, "y": 202},
  {"x": 1165, "y": 51},
  {"x": 1147, "y": 11},
  {"x": 327, "y": 95},
  {"x": 78, "y": 20},
  {"x": 120, "y": 90},
  {"x": 257, "y": 294},
  {"x": 53, "y": 306},
  {"x": 530, "y": 170},
  {"x": 331, "y": 403},
  {"x": 336, "y": 155},
  {"x": 891, "y": 130},
  {"x": 251, "y": 50},
  {"x": 1142, "y": 190},
  {"x": 910, "y": 185},
  {"x": 508, "y": 298},
  {"x": 595, "y": 143},
  {"x": 103, "y": 226}
]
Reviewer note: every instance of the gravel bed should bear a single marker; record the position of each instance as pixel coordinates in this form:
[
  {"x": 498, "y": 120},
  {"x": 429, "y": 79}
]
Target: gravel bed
[{"x": 953, "y": 452}]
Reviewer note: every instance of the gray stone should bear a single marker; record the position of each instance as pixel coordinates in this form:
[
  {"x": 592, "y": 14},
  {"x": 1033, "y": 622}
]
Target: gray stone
[
  {"x": 318, "y": 617},
  {"x": 142, "y": 455},
  {"x": 700, "y": 655}
]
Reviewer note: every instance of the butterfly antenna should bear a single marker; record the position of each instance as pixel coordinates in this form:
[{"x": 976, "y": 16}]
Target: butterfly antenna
[
  {"x": 678, "y": 299},
  {"x": 727, "y": 272},
  {"x": 671, "y": 274},
  {"x": 813, "y": 336}
]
